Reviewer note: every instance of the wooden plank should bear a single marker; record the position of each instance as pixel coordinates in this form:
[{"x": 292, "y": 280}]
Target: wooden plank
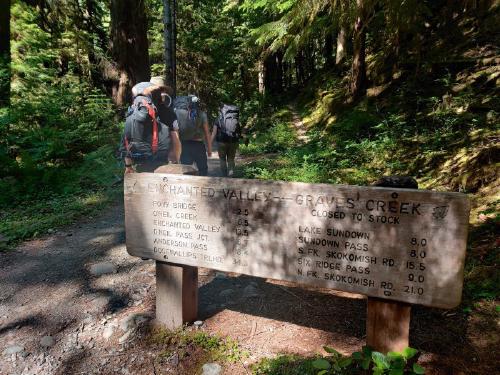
[
  {"x": 399, "y": 244},
  {"x": 387, "y": 325},
  {"x": 176, "y": 286}
]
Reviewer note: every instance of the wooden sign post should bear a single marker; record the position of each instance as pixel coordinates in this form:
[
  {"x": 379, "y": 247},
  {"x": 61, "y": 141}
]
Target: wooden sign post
[
  {"x": 388, "y": 322},
  {"x": 176, "y": 286},
  {"x": 397, "y": 244}
]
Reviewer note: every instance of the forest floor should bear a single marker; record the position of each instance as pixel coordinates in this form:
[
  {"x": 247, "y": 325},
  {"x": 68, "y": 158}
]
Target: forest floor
[{"x": 75, "y": 302}]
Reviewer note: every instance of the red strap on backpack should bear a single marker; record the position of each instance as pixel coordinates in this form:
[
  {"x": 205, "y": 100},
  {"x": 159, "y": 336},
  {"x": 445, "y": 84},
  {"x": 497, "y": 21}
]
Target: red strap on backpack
[{"x": 152, "y": 114}]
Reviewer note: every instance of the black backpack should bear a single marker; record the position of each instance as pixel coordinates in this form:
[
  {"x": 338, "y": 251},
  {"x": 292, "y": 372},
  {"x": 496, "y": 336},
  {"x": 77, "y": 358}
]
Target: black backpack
[{"x": 229, "y": 129}]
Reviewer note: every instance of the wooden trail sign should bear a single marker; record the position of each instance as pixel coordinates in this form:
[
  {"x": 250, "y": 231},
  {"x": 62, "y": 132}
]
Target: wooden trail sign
[{"x": 399, "y": 244}]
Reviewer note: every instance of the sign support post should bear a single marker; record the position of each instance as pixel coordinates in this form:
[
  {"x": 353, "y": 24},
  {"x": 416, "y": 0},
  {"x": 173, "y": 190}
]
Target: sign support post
[
  {"x": 176, "y": 285},
  {"x": 388, "y": 322},
  {"x": 387, "y": 325},
  {"x": 176, "y": 294}
]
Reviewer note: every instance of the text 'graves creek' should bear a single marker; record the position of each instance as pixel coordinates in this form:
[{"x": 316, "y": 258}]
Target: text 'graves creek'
[{"x": 405, "y": 245}]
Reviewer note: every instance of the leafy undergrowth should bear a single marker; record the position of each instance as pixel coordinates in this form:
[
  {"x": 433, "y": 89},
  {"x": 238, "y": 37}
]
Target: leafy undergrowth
[
  {"x": 270, "y": 134},
  {"x": 193, "y": 348},
  {"x": 366, "y": 362},
  {"x": 39, "y": 206}
]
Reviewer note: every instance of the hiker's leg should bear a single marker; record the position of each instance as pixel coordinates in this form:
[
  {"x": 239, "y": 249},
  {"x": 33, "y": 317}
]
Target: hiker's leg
[
  {"x": 187, "y": 155},
  {"x": 231, "y": 154},
  {"x": 200, "y": 156},
  {"x": 222, "y": 158}
]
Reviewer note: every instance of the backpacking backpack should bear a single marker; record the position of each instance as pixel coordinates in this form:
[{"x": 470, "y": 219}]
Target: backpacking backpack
[
  {"x": 188, "y": 118},
  {"x": 229, "y": 129},
  {"x": 138, "y": 89},
  {"x": 139, "y": 142}
]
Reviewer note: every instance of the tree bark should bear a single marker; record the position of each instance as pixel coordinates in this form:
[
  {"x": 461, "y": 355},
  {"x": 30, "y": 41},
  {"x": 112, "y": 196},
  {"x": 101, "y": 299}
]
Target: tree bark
[
  {"x": 129, "y": 47},
  {"x": 358, "y": 75}
]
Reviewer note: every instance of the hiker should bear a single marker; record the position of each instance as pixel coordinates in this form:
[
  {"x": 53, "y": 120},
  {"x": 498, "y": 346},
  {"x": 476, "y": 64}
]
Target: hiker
[
  {"x": 169, "y": 118},
  {"x": 227, "y": 132},
  {"x": 148, "y": 142},
  {"x": 193, "y": 130}
]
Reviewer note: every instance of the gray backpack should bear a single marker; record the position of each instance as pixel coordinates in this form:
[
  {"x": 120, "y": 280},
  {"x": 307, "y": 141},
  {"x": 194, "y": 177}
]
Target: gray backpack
[
  {"x": 138, "y": 141},
  {"x": 188, "y": 117},
  {"x": 229, "y": 129}
]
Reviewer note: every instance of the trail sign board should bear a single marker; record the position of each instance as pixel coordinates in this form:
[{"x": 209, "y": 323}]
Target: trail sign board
[{"x": 400, "y": 244}]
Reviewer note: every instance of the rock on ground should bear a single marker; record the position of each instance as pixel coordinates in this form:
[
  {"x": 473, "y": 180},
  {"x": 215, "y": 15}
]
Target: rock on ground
[
  {"x": 14, "y": 349},
  {"x": 211, "y": 369},
  {"x": 47, "y": 341},
  {"x": 102, "y": 269}
]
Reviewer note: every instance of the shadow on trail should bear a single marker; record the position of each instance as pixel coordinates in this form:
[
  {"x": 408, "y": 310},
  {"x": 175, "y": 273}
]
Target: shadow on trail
[
  {"x": 293, "y": 304},
  {"x": 32, "y": 320},
  {"x": 343, "y": 319},
  {"x": 54, "y": 272}
]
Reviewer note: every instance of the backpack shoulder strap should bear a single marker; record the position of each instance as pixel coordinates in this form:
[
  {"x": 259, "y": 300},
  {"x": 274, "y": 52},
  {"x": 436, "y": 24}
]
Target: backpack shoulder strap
[{"x": 152, "y": 114}]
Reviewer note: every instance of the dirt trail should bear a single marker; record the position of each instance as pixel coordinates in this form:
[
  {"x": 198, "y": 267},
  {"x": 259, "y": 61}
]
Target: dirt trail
[
  {"x": 298, "y": 124},
  {"x": 62, "y": 313}
]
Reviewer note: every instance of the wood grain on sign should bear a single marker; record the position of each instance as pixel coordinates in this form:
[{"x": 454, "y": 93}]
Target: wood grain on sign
[{"x": 401, "y": 244}]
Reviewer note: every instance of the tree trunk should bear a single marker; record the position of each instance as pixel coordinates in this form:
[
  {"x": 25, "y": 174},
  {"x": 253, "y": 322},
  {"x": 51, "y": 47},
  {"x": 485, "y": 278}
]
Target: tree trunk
[
  {"x": 279, "y": 72},
  {"x": 129, "y": 47},
  {"x": 174, "y": 46},
  {"x": 299, "y": 62},
  {"x": 396, "y": 47},
  {"x": 168, "y": 39},
  {"x": 328, "y": 50},
  {"x": 95, "y": 16},
  {"x": 358, "y": 75},
  {"x": 5, "y": 53},
  {"x": 287, "y": 75},
  {"x": 262, "y": 78},
  {"x": 341, "y": 46},
  {"x": 311, "y": 59},
  {"x": 90, "y": 22},
  {"x": 245, "y": 85},
  {"x": 270, "y": 76}
]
